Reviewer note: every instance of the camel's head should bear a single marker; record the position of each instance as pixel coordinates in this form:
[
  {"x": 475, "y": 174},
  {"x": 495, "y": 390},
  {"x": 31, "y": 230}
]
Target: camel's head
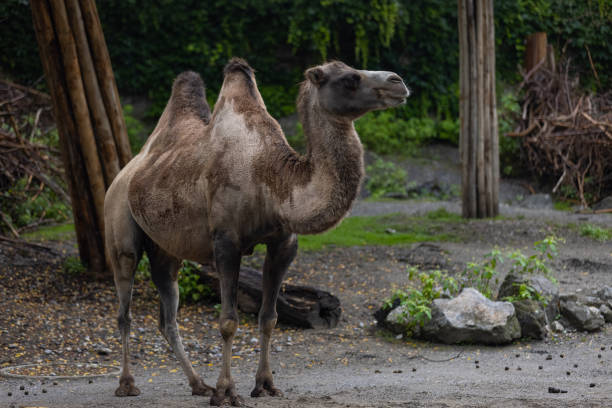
[{"x": 350, "y": 92}]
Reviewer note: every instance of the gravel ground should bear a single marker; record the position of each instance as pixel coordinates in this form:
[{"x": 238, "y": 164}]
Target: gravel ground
[{"x": 52, "y": 317}]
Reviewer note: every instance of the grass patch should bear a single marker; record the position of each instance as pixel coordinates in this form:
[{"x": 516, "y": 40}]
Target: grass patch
[
  {"x": 393, "y": 229},
  {"x": 597, "y": 233},
  {"x": 59, "y": 232},
  {"x": 562, "y": 206}
]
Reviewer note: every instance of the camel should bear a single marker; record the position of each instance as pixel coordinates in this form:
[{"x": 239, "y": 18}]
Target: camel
[{"x": 208, "y": 188}]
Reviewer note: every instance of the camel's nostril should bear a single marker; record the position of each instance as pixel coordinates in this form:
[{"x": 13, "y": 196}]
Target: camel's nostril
[{"x": 394, "y": 79}]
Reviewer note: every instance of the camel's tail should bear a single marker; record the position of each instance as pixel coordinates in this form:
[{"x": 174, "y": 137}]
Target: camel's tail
[{"x": 188, "y": 97}]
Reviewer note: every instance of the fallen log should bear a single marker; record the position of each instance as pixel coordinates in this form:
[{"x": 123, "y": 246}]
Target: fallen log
[{"x": 302, "y": 306}]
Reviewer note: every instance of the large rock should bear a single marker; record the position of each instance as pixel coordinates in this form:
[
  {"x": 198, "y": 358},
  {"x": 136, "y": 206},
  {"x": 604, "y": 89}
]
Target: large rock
[
  {"x": 531, "y": 317},
  {"x": 472, "y": 318},
  {"x": 581, "y": 316},
  {"x": 605, "y": 293},
  {"x": 538, "y": 201},
  {"x": 399, "y": 321},
  {"x": 540, "y": 283},
  {"x": 606, "y": 312}
]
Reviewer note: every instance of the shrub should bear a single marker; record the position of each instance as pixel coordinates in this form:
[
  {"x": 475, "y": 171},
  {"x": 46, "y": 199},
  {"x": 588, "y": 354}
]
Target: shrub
[
  {"x": 385, "y": 177},
  {"x": 595, "y": 232}
]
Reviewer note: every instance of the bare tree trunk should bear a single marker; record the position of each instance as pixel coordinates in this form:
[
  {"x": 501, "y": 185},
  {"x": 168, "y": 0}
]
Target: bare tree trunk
[
  {"x": 535, "y": 50},
  {"x": 84, "y": 119},
  {"x": 479, "y": 146}
]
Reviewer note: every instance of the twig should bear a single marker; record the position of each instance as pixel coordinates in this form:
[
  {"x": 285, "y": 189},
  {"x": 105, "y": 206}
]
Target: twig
[{"x": 8, "y": 222}]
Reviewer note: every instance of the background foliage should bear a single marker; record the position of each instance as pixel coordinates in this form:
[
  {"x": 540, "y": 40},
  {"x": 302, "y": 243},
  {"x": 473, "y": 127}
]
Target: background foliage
[{"x": 151, "y": 41}]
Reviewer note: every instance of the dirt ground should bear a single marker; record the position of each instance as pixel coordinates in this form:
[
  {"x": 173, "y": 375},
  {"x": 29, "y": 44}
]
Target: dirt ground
[{"x": 49, "y": 316}]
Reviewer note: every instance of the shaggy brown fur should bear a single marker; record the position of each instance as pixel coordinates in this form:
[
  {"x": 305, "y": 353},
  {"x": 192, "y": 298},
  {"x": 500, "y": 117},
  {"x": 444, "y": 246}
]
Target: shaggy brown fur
[{"x": 209, "y": 188}]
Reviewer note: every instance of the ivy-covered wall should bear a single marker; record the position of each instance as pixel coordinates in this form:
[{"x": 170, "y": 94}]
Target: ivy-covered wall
[{"x": 151, "y": 41}]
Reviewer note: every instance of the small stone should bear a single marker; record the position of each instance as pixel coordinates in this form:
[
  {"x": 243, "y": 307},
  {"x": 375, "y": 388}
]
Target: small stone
[
  {"x": 44, "y": 390},
  {"x": 540, "y": 367},
  {"x": 47, "y": 351},
  {"x": 254, "y": 340},
  {"x": 399, "y": 336},
  {"x": 591, "y": 385},
  {"x": 141, "y": 330},
  {"x": 21, "y": 387},
  {"x": 397, "y": 371},
  {"x": 376, "y": 371},
  {"x": 603, "y": 348},
  {"x": 413, "y": 370},
  {"x": 506, "y": 368},
  {"x": 13, "y": 345},
  {"x": 90, "y": 381},
  {"x": 549, "y": 357},
  {"x": 54, "y": 382}
]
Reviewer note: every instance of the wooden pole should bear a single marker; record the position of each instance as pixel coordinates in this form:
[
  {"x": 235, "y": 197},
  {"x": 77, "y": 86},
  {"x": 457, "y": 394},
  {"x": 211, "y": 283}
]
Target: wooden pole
[
  {"x": 87, "y": 111},
  {"x": 108, "y": 86},
  {"x": 91, "y": 247},
  {"x": 479, "y": 144},
  {"x": 535, "y": 50},
  {"x": 101, "y": 124}
]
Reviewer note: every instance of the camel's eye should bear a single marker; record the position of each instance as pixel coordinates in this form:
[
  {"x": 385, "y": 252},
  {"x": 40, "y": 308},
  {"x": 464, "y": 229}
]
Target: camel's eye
[{"x": 351, "y": 81}]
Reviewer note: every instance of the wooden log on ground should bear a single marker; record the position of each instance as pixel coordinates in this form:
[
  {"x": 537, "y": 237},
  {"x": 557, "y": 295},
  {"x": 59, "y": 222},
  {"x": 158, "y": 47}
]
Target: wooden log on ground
[{"x": 302, "y": 306}]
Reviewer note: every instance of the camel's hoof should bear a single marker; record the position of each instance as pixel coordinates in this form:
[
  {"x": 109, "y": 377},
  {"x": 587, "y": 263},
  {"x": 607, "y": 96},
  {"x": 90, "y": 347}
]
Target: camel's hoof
[
  {"x": 219, "y": 400},
  {"x": 127, "y": 388},
  {"x": 260, "y": 391},
  {"x": 200, "y": 388}
]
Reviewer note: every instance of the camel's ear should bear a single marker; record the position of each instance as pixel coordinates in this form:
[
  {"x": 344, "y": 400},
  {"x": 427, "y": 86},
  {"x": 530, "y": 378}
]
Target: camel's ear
[{"x": 316, "y": 76}]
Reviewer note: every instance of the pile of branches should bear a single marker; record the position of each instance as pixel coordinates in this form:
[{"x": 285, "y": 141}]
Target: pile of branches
[
  {"x": 566, "y": 133},
  {"x": 25, "y": 120}
]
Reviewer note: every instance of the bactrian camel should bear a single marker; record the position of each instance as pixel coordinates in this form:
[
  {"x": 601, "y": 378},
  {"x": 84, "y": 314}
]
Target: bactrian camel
[{"x": 208, "y": 188}]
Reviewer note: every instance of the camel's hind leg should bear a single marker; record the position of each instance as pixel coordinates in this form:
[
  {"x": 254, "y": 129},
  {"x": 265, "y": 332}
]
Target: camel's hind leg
[
  {"x": 164, "y": 271},
  {"x": 124, "y": 246}
]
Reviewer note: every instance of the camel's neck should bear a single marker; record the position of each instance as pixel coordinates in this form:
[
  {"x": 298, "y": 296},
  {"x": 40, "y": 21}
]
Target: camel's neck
[{"x": 335, "y": 156}]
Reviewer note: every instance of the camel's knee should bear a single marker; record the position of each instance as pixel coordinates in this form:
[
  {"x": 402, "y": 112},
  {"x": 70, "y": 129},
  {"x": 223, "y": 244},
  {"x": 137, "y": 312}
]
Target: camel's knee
[
  {"x": 267, "y": 323},
  {"x": 228, "y": 327},
  {"x": 124, "y": 321}
]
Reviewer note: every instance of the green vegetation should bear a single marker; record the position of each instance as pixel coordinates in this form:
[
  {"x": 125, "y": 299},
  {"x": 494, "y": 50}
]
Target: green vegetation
[
  {"x": 136, "y": 130},
  {"x": 429, "y": 285},
  {"x": 385, "y": 177},
  {"x": 191, "y": 287},
  {"x": 73, "y": 266},
  {"x": 526, "y": 291},
  {"x": 416, "y": 302},
  {"x": 61, "y": 232},
  {"x": 597, "y": 233},
  {"x": 394, "y": 229}
]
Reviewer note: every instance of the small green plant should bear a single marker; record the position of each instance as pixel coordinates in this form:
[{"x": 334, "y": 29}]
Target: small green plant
[
  {"x": 479, "y": 275},
  {"x": 191, "y": 288},
  {"x": 415, "y": 303},
  {"x": 73, "y": 266},
  {"x": 546, "y": 251},
  {"x": 385, "y": 177},
  {"x": 595, "y": 232},
  {"x": 526, "y": 291}
]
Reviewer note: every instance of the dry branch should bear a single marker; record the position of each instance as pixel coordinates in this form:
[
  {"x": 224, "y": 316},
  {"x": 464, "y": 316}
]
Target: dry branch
[{"x": 567, "y": 134}]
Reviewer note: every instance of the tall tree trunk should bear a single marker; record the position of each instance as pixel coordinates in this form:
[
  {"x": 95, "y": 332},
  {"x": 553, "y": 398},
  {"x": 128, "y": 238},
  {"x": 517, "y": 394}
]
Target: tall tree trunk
[
  {"x": 535, "y": 50},
  {"x": 92, "y": 128},
  {"x": 479, "y": 144}
]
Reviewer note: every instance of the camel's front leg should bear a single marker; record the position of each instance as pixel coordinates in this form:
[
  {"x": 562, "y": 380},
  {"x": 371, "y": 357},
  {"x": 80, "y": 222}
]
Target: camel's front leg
[
  {"x": 278, "y": 258},
  {"x": 227, "y": 261}
]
